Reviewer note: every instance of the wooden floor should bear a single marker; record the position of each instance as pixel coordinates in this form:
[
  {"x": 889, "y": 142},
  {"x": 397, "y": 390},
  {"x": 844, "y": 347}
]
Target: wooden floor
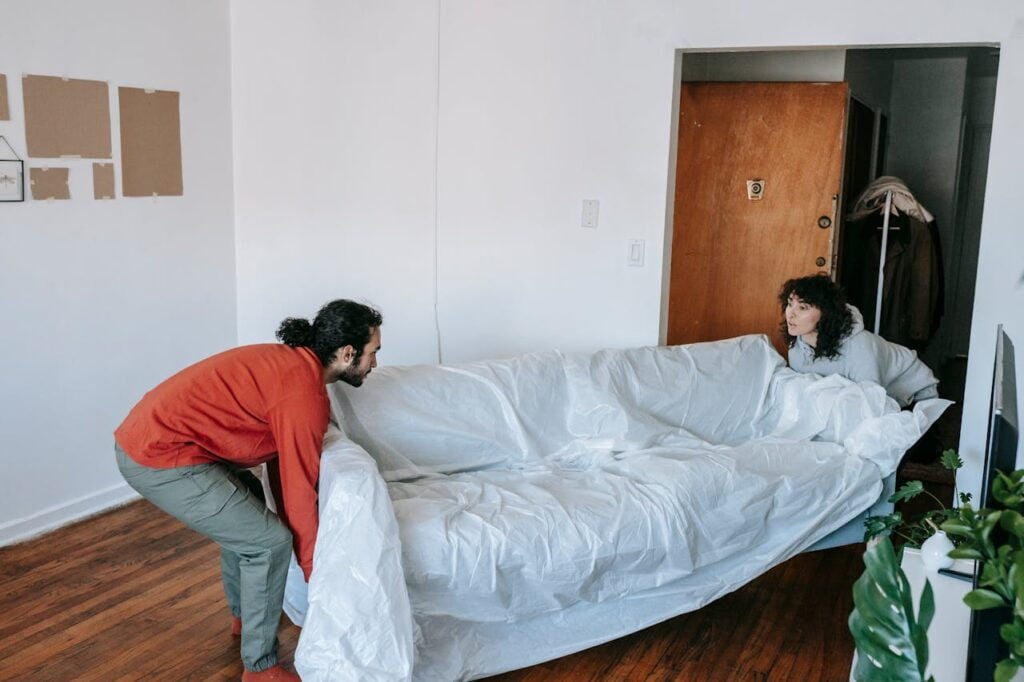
[{"x": 133, "y": 594}]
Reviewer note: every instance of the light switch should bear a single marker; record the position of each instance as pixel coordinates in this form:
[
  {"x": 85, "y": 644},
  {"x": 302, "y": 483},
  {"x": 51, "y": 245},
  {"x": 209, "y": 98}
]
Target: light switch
[
  {"x": 635, "y": 253},
  {"x": 590, "y": 207}
]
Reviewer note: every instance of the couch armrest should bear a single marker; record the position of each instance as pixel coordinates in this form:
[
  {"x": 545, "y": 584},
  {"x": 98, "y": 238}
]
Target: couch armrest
[
  {"x": 883, "y": 506},
  {"x": 358, "y": 623},
  {"x": 852, "y": 531}
]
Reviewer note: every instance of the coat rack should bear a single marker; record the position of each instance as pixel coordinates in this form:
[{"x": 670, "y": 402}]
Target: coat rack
[{"x": 881, "y": 260}]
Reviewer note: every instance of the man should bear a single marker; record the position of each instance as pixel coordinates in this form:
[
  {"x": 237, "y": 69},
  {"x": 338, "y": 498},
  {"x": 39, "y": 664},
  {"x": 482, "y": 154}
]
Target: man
[{"x": 187, "y": 445}]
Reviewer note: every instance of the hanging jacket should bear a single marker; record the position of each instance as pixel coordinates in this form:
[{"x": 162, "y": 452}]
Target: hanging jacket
[
  {"x": 872, "y": 200},
  {"x": 912, "y": 299}
]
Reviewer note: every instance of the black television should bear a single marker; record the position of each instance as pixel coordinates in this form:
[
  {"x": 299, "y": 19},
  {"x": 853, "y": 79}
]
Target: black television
[{"x": 985, "y": 647}]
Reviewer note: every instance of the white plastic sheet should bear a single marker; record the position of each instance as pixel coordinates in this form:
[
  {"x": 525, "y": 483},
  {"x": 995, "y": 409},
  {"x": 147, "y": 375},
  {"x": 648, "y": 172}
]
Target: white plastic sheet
[{"x": 540, "y": 505}]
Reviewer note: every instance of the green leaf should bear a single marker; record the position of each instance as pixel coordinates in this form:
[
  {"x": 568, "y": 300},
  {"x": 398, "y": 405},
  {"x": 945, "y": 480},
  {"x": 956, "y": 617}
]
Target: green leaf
[
  {"x": 965, "y": 498},
  {"x": 876, "y": 525},
  {"x": 956, "y": 526},
  {"x": 891, "y": 645},
  {"x": 982, "y": 599},
  {"x": 1016, "y": 575},
  {"x": 967, "y": 514},
  {"x": 919, "y": 638},
  {"x": 990, "y": 574},
  {"x": 951, "y": 460},
  {"x": 925, "y": 612},
  {"x": 1013, "y": 523},
  {"x": 907, "y": 491},
  {"x": 964, "y": 552},
  {"x": 1012, "y": 633},
  {"x": 1007, "y": 489},
  {"x": 987, "y": 526},
  {"x": 1005, "y": 670}
]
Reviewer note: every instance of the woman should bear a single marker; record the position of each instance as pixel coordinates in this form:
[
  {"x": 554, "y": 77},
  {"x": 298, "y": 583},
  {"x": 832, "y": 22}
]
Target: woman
[{"x": 827, "y": 336}]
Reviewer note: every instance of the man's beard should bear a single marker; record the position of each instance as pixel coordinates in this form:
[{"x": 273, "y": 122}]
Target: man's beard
[{"x": 352, "y": 376}]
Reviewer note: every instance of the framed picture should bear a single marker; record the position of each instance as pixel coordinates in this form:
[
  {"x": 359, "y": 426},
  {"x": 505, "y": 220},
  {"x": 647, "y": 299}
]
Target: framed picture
[{"x": 12, "y": 180}]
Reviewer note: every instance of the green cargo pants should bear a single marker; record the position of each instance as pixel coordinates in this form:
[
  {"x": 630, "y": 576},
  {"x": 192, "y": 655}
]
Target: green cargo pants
[{"x": 226, "y": 504}]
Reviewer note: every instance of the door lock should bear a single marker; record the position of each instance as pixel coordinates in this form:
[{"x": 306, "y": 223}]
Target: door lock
[
  {"x": 824, "y": 222},
  {"x": 820, "y": 262}
]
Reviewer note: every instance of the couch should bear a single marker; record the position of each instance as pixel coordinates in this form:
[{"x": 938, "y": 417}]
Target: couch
[{"x": 492, "y": 515}]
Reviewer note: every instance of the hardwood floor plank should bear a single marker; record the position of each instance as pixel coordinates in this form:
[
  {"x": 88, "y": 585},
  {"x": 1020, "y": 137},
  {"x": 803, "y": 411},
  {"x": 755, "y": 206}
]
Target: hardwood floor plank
[
  {"x": 101, "y": 597},
  {"x": 132, "y": 594},
  {"x": 84, "y": 567},
  {"x": 78, "y": 631}
]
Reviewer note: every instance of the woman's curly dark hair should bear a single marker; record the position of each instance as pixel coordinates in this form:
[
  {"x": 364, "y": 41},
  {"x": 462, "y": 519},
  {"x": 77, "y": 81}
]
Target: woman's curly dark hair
[
  {"x": 338, "y": 324},
  {"x": 836, "y": 321}
]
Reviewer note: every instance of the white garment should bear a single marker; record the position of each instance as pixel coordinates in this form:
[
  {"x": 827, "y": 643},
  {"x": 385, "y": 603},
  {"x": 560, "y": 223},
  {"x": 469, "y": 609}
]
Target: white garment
[
  {"x": 872, "y": 200},
  {"x": 864, "y": 356},
  {"x": 609, "y": 491}
]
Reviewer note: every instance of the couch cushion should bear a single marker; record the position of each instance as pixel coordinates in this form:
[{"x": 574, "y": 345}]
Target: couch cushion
[
  {"x": 509, "y": 545},
  {"x": 422, "y": 419},
  {"x": 638, "y": 398}
]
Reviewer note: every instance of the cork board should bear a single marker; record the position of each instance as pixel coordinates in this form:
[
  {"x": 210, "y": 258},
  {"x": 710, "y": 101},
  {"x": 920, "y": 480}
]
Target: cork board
[
  {"x": 103, "y": 180},
  {"x": 49, "y": 183},
  {"x": 150, "y": 143},
  {"x": 66, "y": 117},
  {"x": 5, "y": 107}
]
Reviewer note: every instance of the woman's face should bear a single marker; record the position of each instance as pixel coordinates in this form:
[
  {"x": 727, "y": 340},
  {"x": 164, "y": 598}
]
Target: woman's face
[{"x": 801, "y": 318}]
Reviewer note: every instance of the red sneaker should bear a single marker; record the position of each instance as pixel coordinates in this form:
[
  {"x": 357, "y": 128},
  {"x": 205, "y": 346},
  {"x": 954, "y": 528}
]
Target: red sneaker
[{"x": 274, "y": 674}]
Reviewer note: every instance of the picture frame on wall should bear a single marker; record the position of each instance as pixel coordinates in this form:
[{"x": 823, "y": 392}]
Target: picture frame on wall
[{"x": 12, "y": 180}]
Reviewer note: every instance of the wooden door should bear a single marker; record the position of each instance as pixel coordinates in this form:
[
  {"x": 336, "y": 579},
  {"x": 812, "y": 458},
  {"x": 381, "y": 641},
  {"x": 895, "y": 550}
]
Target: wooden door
[{"x": 731, "y": 254}]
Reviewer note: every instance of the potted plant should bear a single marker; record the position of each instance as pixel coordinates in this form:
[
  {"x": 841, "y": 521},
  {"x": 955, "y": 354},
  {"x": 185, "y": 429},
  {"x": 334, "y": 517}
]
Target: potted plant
[
  {"x": 891, "y": 642},
  {"x": 995, "y": 537},
  {"x": 915, "y": 530}
]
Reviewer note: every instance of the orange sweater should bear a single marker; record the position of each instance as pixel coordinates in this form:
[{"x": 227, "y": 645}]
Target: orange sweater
[{"x": 246, "y": 406}]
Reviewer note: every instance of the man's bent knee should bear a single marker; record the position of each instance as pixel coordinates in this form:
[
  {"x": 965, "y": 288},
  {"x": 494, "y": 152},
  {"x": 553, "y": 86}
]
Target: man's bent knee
[{"x": 279, "y": 540}]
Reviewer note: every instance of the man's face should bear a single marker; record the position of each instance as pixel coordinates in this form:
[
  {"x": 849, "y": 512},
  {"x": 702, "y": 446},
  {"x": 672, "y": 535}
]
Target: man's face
[{"x": 354, "y": 374}]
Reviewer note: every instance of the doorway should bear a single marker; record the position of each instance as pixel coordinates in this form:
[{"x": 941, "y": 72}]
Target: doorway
[{"x": 923, "y": 114}]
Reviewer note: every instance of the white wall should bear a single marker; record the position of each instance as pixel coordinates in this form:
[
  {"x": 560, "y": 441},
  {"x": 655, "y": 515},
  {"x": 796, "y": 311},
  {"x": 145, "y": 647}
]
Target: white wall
[
  {"x": 536, "y": 105},
  {"x": 538, "y": 112},
  {"x": 100, "y": 300},
  {"x": 334, "y": 128}
]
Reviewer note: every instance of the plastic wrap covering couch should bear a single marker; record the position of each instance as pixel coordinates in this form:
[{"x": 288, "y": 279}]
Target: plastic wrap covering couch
[{"x": 492, "y": 515}]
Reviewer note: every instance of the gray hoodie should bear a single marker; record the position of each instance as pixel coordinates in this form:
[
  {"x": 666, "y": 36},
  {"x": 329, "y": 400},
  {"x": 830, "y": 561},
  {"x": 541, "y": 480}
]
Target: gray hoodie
[{"x": 864, "y": 356}]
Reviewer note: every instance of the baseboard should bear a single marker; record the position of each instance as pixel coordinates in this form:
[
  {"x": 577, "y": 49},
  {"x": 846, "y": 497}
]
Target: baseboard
[{"x": 59, "y": 515}]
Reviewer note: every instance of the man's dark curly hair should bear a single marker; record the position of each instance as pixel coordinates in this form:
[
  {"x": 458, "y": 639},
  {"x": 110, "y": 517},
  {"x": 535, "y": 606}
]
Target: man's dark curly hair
[
  {"x": 338, "y": 324},
  {"x": 836, "y": 321}
]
